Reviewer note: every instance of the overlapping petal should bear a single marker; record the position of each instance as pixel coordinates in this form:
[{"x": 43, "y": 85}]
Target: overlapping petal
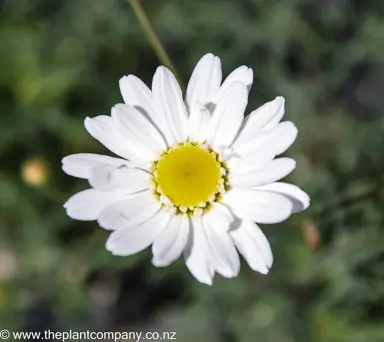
[
  {"x": 126, "y": 179},
  {"x": 253, "y": 245},
  {"x": 242, "y": 74},
  {"x": 104, "y": 129},
  {"x": 263, "y": 118},
  {"x": 131, "y": 211},
  {"x": 205, "y": 80},
  {"x": 131, "y": 240},
  {"x": 265, "y": 146},
  {"x": 298, "y": 197},
  {"x": 81, "y": 165},
  {"x": 136, "y": 93},
  {"x": 228, "y": 115},
  {"x": 223, "y": 255},
  {"x": 140, "y": 132},
  {"x": 197, "y": 253},
  {"x": 169, "y": 104},
  {"x": 87, "y": 205},
  {"x": 171, "y": 243},
  {"x": 259, "y": 205},
  {"x": 198, "y": 123},
  {"x": 251, "y": 176}
]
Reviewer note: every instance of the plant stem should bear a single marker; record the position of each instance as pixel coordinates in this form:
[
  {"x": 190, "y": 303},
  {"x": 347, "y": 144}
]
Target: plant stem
[{"x": 153, "y": 37}]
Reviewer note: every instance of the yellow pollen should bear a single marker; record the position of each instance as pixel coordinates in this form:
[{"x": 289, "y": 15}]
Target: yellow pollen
[{"x": 188, "y": 175}]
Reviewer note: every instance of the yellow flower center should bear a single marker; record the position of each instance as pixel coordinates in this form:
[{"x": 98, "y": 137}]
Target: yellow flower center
[{"x": 189, "y": 176}]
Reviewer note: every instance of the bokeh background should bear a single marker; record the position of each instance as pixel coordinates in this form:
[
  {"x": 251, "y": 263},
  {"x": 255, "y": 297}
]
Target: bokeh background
[{"x": 60, "y": 61}]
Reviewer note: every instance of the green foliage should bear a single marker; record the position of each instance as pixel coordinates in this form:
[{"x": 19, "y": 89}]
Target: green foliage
[{"x": 60, "y": 61}]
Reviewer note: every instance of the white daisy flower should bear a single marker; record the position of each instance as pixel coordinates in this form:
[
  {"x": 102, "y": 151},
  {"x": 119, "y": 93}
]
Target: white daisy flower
[{"x": 193, "y": 175}]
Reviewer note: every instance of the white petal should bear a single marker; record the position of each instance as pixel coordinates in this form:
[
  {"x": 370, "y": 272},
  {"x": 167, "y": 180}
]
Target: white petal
[
  {"x": 80, "y": 165},
  {"x": 131, "y": 180},
  {"x": 198, "y": 123},
  {"x": 130, "y": 212},
  {"x": 138, "y": 130},
  {"x": 104, "y": 129},
  {"x": 299, "y": 198},
  {"x": 169, "y": 102},
  {"x": 219, "y": 215},
  {"x": 242, "y": 74},
  {"x": 101, "y": 176},
  {"x": 126, "y": 179},
  {"x": 136, "y": 93},
  {"x": 87, "y": 205},
  {"x": 171, "y": 243},
  {"x": 224, "y": 257},
  {"x": 132, "y": 240},
  {"x": 258, "y": 205},
  {"x": 266, "y": 145},
  {"x": 263, "y": 118},
  {"x": 274, "y": 112},
  {"x": 253, "y": 245},
  {"x": 205, "y": 81},
  {"x": 197, "y": 253},
  {"x": 228, "y": 115},
  {"x": 270, "y": 172}
]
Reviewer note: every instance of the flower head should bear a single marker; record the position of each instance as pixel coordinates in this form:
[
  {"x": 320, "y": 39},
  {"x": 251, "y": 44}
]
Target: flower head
[{"x": 193, "y": 176}]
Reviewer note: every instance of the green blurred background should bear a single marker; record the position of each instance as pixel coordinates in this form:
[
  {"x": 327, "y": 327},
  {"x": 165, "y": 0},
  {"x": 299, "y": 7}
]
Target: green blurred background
[{"x": 60, "y": 61}]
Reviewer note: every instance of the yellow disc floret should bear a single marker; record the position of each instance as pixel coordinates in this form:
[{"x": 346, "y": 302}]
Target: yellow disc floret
[{"x": 188, "y": 175}]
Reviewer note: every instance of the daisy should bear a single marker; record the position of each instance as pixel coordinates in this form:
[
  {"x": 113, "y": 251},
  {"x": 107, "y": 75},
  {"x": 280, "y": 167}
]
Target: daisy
[{"x": 194, "y": 177}]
